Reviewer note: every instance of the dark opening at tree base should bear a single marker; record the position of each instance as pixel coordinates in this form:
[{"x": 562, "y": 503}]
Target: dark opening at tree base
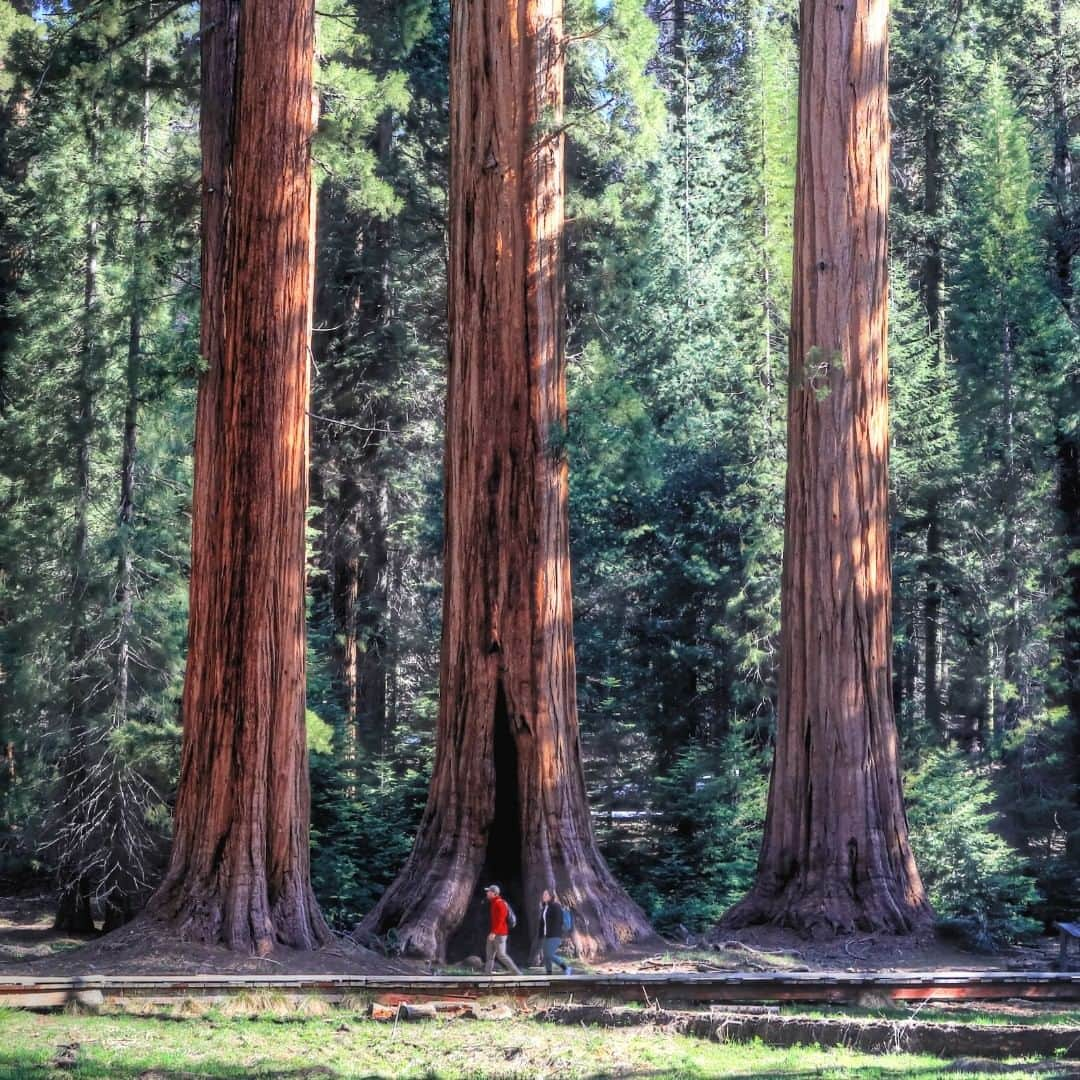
[{"x": 503, "y": 863}]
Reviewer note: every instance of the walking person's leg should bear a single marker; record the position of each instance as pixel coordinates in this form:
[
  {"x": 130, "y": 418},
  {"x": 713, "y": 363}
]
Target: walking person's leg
[
  {"x": 550, "y": 945},
  {"x": 551, "y": 955},
  {"x": 489, "y": 965},
  {"x": 504, "y": 956},
  {"x": 564, "y": 964}
]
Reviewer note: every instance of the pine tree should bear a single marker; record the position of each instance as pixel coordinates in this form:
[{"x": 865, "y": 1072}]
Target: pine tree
[
  {"x": 103, "y": 768},
  {"x": 1006, "y": 353}
]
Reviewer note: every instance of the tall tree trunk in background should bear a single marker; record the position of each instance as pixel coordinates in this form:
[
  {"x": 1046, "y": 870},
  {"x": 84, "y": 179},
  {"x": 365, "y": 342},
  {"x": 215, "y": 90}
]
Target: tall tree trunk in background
[
  {"x": 835, "y": 855},
  {"x": 239, "y": 868},
  {"x": 933, "y": 287},
  {"x": 358, "y": 373},
  {"x": 372, "y": 595},
  {"x": 680, "y": 110},
  {"x": 1066, "y": 244},
  {"x": 370, "y": 613},
  {"x": 13, "y": 166},
  {"x": 507, "y": 799},
  {"x": 125, "y": 588},
  {"x": 932, "y": 615},
  {"x": 1006, "y": 704},
  {"x": 345, "y": 587},
  {"x": 73, "y": 889},
  {"x": 125, "y": 817}
]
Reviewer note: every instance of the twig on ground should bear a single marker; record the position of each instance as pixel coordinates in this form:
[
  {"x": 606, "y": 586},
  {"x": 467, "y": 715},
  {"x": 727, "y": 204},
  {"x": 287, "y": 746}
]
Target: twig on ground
[{"x": 856, "y": 941}]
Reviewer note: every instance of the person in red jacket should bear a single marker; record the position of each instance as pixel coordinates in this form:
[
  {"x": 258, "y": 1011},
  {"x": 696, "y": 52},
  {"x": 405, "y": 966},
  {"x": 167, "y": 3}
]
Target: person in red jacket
[{"x": 500, "y": 931}]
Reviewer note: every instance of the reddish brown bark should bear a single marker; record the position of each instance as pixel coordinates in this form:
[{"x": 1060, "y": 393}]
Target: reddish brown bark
[
  {"x": 239, "y": 869},
  {"x": 835, "y": 854},
  {"x": 507, "y": 799}
]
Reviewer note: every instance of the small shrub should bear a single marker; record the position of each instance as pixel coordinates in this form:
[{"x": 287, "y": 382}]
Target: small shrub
[{"x": 978, "y": 884}]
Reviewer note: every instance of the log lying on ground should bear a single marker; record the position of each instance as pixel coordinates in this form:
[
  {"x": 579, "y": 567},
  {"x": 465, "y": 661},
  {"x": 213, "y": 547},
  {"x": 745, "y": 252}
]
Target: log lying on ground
[
  {"x": 875, "y": 1036},
  {"x": 418, "y": 1010}
]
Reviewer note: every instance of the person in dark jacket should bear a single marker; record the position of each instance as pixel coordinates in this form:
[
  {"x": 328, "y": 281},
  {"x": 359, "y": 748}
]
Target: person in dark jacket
[{"x": 551, "y": 932}]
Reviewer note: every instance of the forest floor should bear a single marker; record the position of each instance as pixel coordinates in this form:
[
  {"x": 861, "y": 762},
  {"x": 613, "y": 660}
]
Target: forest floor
[
  {"x": 271, "y": 1034},
  {"x": 29, "y": 944},
  {"x": 766, "y": 948}
]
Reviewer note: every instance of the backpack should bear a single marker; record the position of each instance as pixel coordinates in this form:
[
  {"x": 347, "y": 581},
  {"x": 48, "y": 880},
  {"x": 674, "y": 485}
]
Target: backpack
[
  {"x": 567, "y": 921},
  {"x": 511, "y": 918}
]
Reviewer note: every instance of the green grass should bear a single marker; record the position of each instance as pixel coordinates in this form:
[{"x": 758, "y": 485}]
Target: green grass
[
  {"x": 929, "y": 1015},
  {"x": 183, "y": 1043}
]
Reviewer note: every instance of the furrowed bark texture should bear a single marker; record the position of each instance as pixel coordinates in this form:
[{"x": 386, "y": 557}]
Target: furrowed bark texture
[
  {"x": 507, "y": 799},
  {"x": 835, "y": 855},
  {"x": 239, "y": 869}
]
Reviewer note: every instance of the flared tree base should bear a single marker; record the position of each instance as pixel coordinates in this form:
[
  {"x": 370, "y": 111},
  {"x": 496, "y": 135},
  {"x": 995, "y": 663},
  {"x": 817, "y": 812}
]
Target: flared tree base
[
  {"x": 824, "y": 912},
  {"x": 437, "y": 912},
  {"x": 241, "y": 919}
]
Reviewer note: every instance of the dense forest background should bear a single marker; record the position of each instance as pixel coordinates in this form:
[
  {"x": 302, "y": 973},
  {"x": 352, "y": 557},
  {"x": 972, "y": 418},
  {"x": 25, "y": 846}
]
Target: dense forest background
[{"x": 681, "y": 126}]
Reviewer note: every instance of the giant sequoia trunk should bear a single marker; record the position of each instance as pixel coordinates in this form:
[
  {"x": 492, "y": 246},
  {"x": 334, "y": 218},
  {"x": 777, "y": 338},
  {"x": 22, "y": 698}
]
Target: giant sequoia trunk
[
  {"x": 238, "y": 872},
  {"x": 507, "y": 800},
  {"x": 835, "y": 855}
]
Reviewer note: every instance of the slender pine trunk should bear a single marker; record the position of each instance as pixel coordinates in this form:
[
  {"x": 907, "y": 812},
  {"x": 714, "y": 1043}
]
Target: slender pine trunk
[{"x": 73, "y": 887}]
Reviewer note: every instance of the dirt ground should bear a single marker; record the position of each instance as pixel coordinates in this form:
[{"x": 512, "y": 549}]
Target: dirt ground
[
  {"x": 29, "y": 944},
  {"x": 768, "y": 948}
]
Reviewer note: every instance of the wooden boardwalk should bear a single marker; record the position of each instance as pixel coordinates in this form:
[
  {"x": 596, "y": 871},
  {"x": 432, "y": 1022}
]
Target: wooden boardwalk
[{"x": 651, "y": 987}]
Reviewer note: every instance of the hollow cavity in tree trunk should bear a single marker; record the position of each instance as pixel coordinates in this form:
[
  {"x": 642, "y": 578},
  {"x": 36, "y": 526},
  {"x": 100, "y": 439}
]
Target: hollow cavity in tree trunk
[{"x": 507, "y": 801}]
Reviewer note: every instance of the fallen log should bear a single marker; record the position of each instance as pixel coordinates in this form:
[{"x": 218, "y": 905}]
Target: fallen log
[
  {"x": 403, "y": 1011},
  {"x": 868, "y": 1035},
  {"x": 442, "y": 1002}
]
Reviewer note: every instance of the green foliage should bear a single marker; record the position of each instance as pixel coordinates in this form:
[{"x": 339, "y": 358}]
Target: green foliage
[
  {"x": 678, "y": 245},
  {"x": 977, "y": 882},
  {"x": 613, "y": 106},
  {"x": 353, "y": 96},
  {"x": 102, "y": 229},
  {"x": 711, "y": 809},
  {"x": 361, "y": 835},
  {"x": 12, "y": 22}
]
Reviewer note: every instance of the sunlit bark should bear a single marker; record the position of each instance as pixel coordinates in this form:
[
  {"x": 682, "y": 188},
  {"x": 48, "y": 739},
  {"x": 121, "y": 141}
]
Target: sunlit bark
[
  {"x": 239, "y": 869},
  {"x": 507, "y": 800},
  {"x": 835, "y": 855}
]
